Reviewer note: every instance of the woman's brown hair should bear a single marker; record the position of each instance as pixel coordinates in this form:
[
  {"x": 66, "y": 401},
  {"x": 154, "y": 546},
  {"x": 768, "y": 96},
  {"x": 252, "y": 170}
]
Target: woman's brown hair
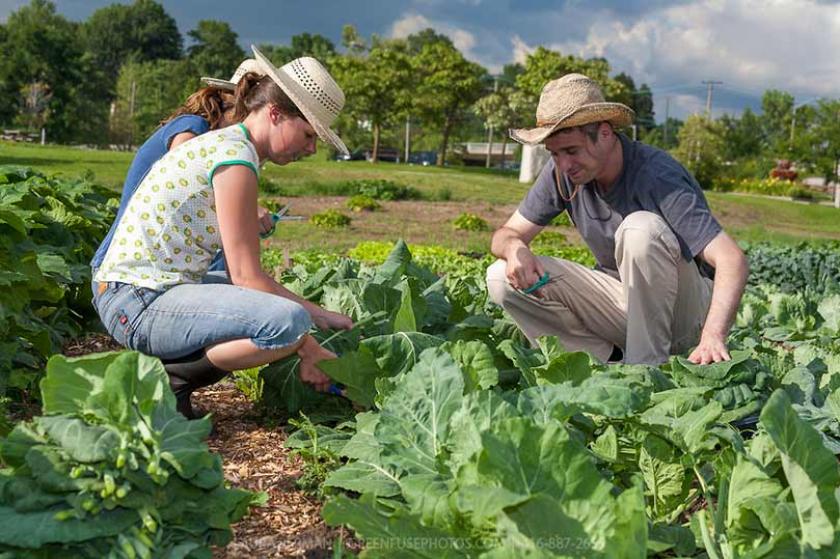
[
  {"x": 254, "y": 91},
  {"x": 210, "y": 103}
]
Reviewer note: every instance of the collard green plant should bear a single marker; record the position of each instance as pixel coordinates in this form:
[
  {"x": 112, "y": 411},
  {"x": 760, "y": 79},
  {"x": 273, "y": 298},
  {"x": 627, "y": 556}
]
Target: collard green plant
[
  {"x": 49, "y": 230},
  {"x": 112, "y": 469}
]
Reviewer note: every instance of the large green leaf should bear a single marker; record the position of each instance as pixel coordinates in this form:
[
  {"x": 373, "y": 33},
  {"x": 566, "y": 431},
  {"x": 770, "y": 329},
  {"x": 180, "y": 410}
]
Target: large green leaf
[
  {"x": 478, "y": 412},
  {"x": 477, "y": 363},
  {"x": 415, "y": 422},
  {"x": 83, "y": 442},
  {"x": 811, "y": 470},
  {"x": 395, "y": 535},
  {"x": 32, "y": 530},
  {"x": 357, "y": 371},
  {"x": 70, "y": 381}
]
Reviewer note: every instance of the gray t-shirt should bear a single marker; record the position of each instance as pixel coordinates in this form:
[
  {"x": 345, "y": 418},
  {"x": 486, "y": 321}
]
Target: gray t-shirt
[{"x": 651, "y": 180}]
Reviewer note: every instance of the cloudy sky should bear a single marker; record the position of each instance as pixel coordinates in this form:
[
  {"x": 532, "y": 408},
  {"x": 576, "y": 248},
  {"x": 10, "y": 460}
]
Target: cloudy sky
[{"x": 749, "y": 45}]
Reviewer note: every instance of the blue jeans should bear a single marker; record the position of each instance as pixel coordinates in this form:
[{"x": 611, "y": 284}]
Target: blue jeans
[{"x": 188, "y": 317}]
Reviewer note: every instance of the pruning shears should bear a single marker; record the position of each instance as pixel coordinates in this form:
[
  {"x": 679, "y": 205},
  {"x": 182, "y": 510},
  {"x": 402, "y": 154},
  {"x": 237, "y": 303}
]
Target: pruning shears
[
  {"x": 538, "y": 284},
  {"x": 276, "y": 218}
]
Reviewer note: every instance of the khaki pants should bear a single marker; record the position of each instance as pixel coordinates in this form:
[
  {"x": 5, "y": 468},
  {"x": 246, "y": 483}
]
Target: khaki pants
[{"x": 656, "y": 309}]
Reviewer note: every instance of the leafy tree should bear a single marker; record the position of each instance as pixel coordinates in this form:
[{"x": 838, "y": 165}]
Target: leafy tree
[
  {"x": 544, "y": 65},
  {"x": 510, "y": 72},
  {"x": 352, "y": 41},
  {"x": 43, "y": 47},
  {"x": 701, "y": 148},
  {"x": 147, "y": 92},
  {"x": 36, "y": 98},
  {"x": 497, "y": 111},
  {"x": 215, "y": 51},
  {"x": 376, "y": 85},
  {"x": 447, "y": 85},
  {"x": 305, "y": 44},
  {"x": 141, "y": 31},
  {"x": 777, "y": 109},
  {"x": 743, "y": 137},
  {"x": 819, "y": 145},
  {"x": 428, "y": 36}
]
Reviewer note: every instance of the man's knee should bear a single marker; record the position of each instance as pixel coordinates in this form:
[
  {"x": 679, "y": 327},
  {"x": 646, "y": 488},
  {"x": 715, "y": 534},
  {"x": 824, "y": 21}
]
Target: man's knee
[
  {"x": 640, "y": 232},
  {"x": 498, "y": 287}
]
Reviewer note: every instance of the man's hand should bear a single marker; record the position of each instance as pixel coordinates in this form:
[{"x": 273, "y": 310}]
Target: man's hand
[
  {"x": 265, "y": 221},
  {"x": 328, "y": 320},
  {"x": 523, "y": 269},
  {"x": 711, "y": 349}
]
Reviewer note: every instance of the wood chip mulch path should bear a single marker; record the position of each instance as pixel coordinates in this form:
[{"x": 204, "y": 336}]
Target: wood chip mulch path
[{"x": 253, "y": 457}]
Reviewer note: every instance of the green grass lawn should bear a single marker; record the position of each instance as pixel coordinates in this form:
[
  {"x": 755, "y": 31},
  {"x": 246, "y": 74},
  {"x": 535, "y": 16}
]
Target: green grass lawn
[{"x": 747, "y": 218}]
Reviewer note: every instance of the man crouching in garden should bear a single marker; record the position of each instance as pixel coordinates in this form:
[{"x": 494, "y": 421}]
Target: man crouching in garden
[{"x": 643, "y": 216}]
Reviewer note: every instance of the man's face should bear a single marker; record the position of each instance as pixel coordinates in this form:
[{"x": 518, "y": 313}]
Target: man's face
[{"x": 581, "y": 159}]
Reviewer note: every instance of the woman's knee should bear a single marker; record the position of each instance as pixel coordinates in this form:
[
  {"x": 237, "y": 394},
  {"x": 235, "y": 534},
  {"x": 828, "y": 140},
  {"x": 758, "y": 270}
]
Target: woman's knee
[{"x": 284, "y": 324}]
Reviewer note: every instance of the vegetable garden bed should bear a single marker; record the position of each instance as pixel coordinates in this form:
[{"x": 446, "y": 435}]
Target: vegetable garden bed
[{"x": 470, "y": 442}]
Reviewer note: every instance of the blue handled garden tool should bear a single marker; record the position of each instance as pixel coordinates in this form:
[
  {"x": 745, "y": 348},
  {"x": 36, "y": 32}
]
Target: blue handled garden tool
[{"x": 277, "y": 218}]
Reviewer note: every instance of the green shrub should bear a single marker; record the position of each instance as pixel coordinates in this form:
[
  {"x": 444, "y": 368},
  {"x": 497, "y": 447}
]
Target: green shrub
[
  {"x": 470, "y": 222},
  {"x": 443, "y": 194},
  {"x": 767, "y": 187},
  {"x": 330, "y": 218},
  {"x": 268, "y": 186},
  {"x": 361, "y": 202},
  {"x": 797, "y": 192},
  {"x": 380, "y": 189},
  {"x": 271, "y": 205}
]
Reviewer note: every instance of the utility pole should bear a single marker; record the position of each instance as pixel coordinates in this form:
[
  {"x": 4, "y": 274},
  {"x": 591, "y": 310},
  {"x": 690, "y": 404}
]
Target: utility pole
[
  {"x": 710, "y": 85},
  {"x": 667, "y": 116},
  {"x": 407, "y": 137},
  {"x": 490, "y": 128},
  {"x": 131, "y": 114}
]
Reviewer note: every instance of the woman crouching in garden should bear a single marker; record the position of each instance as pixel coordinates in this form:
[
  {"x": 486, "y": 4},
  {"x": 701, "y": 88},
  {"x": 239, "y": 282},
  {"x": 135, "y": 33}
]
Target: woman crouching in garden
[{"x": 153, "y": 292}]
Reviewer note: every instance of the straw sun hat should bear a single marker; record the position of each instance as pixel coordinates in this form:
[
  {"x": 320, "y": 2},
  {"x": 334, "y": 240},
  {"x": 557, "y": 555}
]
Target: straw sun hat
[
  {"x": 312, "y": 89},
  {"x": 573, "y": 100},
  {"x": 248, "y": 65}
]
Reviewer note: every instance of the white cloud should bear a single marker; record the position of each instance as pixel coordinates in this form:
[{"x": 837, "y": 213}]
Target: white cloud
[
  {"x": 412, "y": 23},
  {"x": 521, "y": 49},
  {"x": 750, "y": 45}
]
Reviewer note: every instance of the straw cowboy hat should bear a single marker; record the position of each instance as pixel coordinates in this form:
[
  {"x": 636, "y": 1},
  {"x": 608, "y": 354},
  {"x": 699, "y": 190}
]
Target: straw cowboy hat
[
  {"x": 573, "y": 100},
  {"x": 248, "y": 65},
  {"x": 312, "y": 89}
]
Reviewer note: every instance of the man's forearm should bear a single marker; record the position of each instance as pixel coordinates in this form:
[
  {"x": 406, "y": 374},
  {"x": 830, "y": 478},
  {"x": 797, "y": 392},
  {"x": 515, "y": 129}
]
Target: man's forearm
[
  {"x": 506, "y": 241},
  {"x": 730, "y": 279}
]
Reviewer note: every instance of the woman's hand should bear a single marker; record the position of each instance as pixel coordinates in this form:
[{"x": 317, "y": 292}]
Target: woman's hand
[
  {"x": 264, "y": 219},
  {"x": 311, "y": 353},
  {"x": 328, "y": 320}
]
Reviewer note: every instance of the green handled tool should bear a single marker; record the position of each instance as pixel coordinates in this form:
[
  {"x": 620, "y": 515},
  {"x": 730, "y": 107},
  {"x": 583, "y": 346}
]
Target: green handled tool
[{"x": 539, "y": 283}]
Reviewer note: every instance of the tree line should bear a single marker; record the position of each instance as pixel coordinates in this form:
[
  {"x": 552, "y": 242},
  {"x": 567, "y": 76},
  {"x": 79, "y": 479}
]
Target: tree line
[{"x": 111, "y": 78}]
